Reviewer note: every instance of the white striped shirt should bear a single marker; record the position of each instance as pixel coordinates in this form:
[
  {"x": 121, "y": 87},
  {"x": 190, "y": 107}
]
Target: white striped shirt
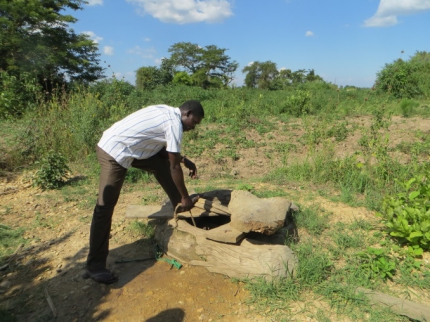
[{"x": 143, "y": 134}]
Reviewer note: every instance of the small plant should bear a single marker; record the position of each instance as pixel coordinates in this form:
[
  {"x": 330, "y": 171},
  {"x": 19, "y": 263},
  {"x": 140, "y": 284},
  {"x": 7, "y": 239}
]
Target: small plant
[
  {"x": 339, "y": 131},
  {"x": 139, "y": 229},
  {"x": 375, "y": 262},
  {"x": 407, "y": 215},
  {"x": 53, "y": 172}
]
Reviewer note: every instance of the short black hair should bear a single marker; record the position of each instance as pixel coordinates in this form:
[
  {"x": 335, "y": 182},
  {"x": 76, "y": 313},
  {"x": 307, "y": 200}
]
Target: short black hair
[{"x": 194, "y": 106}]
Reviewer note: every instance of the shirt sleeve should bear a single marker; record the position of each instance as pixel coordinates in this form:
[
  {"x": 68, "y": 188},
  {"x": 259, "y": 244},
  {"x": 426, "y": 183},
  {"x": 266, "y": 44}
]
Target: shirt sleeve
[{"x": 173, "y": 139}]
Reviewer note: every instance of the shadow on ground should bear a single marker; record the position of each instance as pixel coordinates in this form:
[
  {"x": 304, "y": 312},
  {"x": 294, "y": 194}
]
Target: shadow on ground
[{"x": 33, "y": 279}]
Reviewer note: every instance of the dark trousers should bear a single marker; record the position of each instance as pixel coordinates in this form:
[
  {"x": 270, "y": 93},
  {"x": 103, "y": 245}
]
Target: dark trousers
[{"x": 111, "y": 180}]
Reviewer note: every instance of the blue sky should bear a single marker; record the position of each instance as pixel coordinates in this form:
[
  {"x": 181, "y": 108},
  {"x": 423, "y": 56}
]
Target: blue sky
[{"x": 345, "y": 41}]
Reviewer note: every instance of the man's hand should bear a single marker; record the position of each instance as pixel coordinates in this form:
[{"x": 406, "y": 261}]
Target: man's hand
[
  {"x": 192, "y": 167},
  {"x": 186, "y": 204}
]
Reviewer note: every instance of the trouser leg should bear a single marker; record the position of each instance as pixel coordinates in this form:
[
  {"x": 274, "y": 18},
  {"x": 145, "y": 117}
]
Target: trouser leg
[
  {"x": 111, "y": 180},
  {"x": 160, "y": 167}
]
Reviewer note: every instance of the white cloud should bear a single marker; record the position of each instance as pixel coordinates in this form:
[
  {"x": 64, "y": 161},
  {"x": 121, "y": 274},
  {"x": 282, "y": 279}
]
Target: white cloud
[
  {"x": 388, "y": 10},
  {"x": 148, "y": 53},
  {"x": 93, "y": 36},
  {"x": 94, "y": 2},
  {"x": 108, "y": 50},
  {"x": 186, "y": 11},
  {"x": 309, "y": 33},
  {"x": 147, "y": 39}
]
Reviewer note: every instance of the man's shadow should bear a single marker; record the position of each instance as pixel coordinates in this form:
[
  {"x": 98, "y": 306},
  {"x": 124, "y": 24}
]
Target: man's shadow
[{"x": 171, "y": 315}]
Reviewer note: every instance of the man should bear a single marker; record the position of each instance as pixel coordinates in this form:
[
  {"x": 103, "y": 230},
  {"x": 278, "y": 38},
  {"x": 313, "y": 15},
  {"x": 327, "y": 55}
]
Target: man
[{"x": 149, "y": 139}]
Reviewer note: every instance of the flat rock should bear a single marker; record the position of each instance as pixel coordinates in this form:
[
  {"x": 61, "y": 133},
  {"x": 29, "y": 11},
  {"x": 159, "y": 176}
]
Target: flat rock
[{"x": 250, "y": 213}]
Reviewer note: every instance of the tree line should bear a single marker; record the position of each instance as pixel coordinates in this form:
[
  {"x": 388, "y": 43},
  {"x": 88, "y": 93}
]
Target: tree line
[
  {"x": 210, "y": 67},
  {"x": 37, "y": 39},
  {"x": 40, "y": 51}
]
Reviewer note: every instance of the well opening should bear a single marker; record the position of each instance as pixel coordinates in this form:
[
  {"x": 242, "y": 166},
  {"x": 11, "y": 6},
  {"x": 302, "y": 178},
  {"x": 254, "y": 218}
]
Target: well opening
[{"x": 209, "y": 222}]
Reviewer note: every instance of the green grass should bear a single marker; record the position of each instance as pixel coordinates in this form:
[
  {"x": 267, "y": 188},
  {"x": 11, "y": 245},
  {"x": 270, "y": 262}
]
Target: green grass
[
  {"x": 344, "y": 240},
  {"x": 10, "y": 239},
  {"x": 330, "y": 269},
  {"x": 313, "y": 219},
  {"x": 136, "y": 175},
  {"x": 81, "y": 194},
  {"x": 140, "y": 229}
]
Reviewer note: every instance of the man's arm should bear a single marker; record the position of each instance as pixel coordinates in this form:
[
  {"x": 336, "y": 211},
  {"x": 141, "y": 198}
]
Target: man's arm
[
  {"x": 187, "y": 163},
  {"x": 178, "y": 179}
]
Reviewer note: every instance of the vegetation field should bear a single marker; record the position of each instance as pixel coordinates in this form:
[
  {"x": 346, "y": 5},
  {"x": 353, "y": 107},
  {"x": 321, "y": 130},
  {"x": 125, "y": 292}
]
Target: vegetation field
[{"x": 354, "y": 160}]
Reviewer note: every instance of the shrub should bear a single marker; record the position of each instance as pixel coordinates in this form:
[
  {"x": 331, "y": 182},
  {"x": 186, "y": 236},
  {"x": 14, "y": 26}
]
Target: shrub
[
  {"x": 53, "y": 172},
  {"x": 406, "y": 79},
  {"x": 112, "y": 91},
  {"x": 182, "y": 78},
  {"x": 407, "y": 214},
  {"x": 297, "y": 104},
  {"x": 17, "y": 94}
]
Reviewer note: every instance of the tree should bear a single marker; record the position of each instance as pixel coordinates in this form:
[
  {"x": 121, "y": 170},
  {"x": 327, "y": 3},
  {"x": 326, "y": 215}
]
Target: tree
[
  {"x": 265, "y": 75},
  {"x": 252, "y": 74},
  {"x": 147, "y": 78},
  {"x": 260, "y": 74},
  {"x": 299, "y": 76},
  {"x": 312, "y": 77},
  {"x": 208, "y": 66},
  {"x": 36, "y": 38},
  {"x": 268, "y": 72}
]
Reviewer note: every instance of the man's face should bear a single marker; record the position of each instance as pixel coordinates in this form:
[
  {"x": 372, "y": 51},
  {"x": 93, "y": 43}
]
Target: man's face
[{"x": 189, "y": 121}]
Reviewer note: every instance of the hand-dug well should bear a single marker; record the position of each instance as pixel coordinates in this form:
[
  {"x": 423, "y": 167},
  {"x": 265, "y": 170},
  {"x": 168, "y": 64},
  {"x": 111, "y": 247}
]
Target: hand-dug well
[{"x": 229, "y": 232}]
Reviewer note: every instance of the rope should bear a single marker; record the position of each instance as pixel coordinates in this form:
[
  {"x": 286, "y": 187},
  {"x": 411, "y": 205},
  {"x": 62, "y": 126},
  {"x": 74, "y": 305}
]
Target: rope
[
  {"x": 158, "y": 256},
  {"x": 175, "y": 216}
]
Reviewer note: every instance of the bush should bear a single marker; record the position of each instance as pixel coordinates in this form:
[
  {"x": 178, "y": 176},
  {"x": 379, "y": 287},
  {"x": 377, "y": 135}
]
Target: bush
[
  {"x": 297, "y": 104},
  {"x": 407, "y": 214},
  {"x": 406, "y": 79},
  {"x": 17, "y": 94},
  {"x": 52, "y": 173},
  {"x": 112, "y": 91},
  {"x": 182, "y": 78}
]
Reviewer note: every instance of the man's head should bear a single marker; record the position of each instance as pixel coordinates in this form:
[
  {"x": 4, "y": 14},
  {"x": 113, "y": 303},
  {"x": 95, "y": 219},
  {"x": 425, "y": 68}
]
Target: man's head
[{"x": 192, "y": 114}]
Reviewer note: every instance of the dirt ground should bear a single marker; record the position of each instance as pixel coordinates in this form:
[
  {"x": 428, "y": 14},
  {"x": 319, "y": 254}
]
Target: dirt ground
[
  {"x": 53, "y": 263},
  {"x": 49, "y": 267}
]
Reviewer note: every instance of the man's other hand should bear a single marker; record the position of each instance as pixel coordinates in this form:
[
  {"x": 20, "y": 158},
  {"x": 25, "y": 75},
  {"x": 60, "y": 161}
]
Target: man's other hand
[{"x": 192, "y": 167}]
